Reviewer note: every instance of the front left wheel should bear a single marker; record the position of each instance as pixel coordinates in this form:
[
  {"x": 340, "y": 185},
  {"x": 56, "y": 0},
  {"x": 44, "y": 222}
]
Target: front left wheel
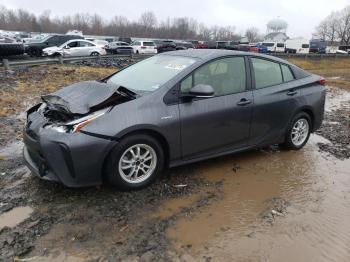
[{"x": 135, "y": 162}]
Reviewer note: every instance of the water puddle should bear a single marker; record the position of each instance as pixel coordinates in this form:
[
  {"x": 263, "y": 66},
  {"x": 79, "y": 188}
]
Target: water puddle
[
  {"x": 11, "y": 150},
  {"x": 315, "y": 225},
  {"x": 15, "y": 216},
  {"x": 337, "y": 98}
]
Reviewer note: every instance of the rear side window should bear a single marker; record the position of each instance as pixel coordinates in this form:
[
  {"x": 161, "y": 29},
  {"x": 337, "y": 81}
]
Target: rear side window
[
  {"x": 267, "y": 73},
  {"x": 287, "y": 74},
  {"x": 226, "y": 76},
  {"x": 85, "y": 44}
]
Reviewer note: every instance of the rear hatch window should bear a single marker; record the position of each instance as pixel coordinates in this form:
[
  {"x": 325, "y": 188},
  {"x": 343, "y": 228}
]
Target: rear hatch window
[{"x": 148, "y": 43}]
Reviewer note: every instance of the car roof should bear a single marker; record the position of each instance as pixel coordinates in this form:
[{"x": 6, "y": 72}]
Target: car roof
[{"x": 208, "y": 54}]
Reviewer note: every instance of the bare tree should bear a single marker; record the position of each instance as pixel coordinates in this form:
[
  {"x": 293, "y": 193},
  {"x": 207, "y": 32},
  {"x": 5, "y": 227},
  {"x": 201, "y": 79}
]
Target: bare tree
[
  {"x": 148, "y": 20},
  {"x": 252, "y": 34},
  {"x": 146, "y": 26},
  {"x": 335, "y": 27}
]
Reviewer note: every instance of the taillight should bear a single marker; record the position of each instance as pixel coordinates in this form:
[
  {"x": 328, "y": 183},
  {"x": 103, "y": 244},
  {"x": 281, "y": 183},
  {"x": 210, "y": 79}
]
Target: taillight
[
  {"x": 143, "y": 47},
  {"x": 322, "y": 82}
]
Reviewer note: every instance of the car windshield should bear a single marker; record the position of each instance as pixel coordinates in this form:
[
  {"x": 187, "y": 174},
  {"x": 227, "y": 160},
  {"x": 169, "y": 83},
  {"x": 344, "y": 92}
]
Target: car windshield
[{"x": 149, "y": 74}]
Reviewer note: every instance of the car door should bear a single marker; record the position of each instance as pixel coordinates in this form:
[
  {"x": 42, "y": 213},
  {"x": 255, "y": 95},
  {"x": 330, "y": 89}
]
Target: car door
[
  {"x": 73, "y": 49},
  {"x": 86, "y": 48},
  {"x": 276, "y": 96},
  {"x": 221, "y": 123}
]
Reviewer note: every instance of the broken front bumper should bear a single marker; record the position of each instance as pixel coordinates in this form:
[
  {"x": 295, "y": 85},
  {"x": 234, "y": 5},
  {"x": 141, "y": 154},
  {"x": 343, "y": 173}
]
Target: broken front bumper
[{"x": 75, "y": 160}]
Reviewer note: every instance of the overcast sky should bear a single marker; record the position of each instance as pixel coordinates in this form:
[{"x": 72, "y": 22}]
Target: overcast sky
[{"x": 302, "y": 15}]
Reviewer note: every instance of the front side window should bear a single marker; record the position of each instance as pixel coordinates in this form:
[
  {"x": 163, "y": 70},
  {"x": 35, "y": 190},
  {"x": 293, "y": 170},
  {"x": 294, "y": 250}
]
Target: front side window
[
  {"x": 73, "y": 44},
  {"x": 226, "y": 76},
  {"x": 267, "y": 73},
  {"x": 149, "y": 74},
  {"x": 287, "y": 74}
]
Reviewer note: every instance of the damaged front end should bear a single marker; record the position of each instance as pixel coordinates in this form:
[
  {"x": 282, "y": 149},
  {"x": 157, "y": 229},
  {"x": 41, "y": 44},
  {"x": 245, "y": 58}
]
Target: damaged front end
[
  {"x": 72, "y": 108},
  {"x": 55, "y": 149}
]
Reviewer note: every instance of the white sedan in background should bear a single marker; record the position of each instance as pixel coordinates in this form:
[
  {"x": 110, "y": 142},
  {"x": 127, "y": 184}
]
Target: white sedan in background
[
  {"x": 144, "y": 47},
  {"x": 78, "y": 47}
]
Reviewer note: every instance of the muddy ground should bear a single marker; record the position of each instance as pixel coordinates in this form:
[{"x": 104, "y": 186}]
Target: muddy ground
[{"x": 262, "y": 205}]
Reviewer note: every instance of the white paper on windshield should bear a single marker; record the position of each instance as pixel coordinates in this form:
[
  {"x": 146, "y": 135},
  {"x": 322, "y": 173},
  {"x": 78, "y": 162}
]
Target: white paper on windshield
[{"x": 175, "y": 66}]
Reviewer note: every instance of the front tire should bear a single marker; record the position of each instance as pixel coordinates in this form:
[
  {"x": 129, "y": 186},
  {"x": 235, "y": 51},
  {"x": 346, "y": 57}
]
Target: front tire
[
  {"x": 94, "y": 54},
  {"x": 298, "y": 132},
  {"x": 135, "y": 162}
]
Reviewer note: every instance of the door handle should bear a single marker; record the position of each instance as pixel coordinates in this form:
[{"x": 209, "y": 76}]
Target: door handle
[
  {"x": 292, "y": 92},
  {"x": 244, "y": 102}
]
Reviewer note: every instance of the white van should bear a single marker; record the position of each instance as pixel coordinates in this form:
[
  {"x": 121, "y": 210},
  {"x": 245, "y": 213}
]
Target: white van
[
  {"x": 280, "y": 48},
  {"x": 271, "y": 46},
  {"x": 298, "y": 46}
]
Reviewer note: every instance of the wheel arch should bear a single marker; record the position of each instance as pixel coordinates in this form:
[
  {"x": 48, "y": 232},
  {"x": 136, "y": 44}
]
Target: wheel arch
[
  {"x": 310, "y": 113},
  {"x": 144, "y": 130},
  {"x": 156, "y": 135}
]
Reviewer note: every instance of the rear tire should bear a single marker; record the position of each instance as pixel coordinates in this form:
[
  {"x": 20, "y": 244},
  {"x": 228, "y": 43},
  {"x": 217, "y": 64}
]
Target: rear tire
[
  {"x": 135, "y": 162},
  {"x": 94, "y": 54},
  {"x": 298, "y": 132}
]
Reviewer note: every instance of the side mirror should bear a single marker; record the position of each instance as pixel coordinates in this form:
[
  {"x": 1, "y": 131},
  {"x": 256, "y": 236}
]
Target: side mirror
[
  {"x": 66, "y": 47},
  {"x": 200, "y": 91}
]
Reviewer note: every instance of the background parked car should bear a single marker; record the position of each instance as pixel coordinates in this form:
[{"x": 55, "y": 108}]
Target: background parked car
[
  {"x": 271, "y": 46},
  {"x": 197, "y": 44},
  {"x": 243, "y": 47},
  {"x": 184, "y": 45},
  {"x": 35, "y": 48},
  {"x": 125, "y": 39},
  {"x": 165, "y": 45},
  {"x": 119, "y": 47},
  {"x": 318, "y": 46},
  {"x": 280, "y": 48},
  {"x": 144, "y": 47},
  {"x": 101, "y": 43},
  {"x": 253, "y": 49},
  {"x": 9, "y": 47},
  {"x": 299, "y": 46},
  {"x": 262, "y": 49},
  {"x": 76, "y": 47},
  {"x": 341, "y": 52},
  {"x": 217, "y": 44},
  {"x": 345, "y": 48}
]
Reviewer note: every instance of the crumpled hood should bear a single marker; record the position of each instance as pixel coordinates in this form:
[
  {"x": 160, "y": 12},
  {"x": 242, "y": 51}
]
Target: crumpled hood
[{"x": 79, "y": 98}]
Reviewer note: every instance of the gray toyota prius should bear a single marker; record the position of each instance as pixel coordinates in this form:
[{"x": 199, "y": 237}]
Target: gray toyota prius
[{"x": 168, "y": 110}]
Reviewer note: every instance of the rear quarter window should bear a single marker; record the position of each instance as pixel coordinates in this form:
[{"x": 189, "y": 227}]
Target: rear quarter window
[{"x": 287, "y": 73}]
